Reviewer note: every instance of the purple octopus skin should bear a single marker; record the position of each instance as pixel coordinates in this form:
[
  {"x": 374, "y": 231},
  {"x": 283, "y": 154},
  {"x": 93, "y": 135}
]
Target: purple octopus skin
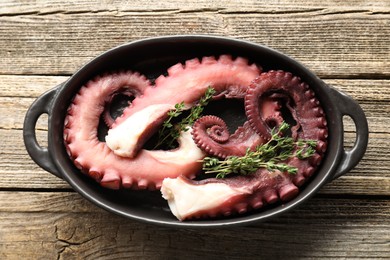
[
  {"x": 211, "y": 133},
  {"x": 239, "y": 194}
]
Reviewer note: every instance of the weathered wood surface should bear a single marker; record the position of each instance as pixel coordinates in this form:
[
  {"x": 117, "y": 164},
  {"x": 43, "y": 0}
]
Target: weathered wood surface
[
  {"x": 350, "y": 40},
  {"x": 64, "y": 226},
  {"x": 43, "y": 42}
]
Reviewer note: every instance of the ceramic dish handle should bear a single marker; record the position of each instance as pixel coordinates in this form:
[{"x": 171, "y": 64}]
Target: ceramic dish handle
[
  {"x": 348, "y": 107},
  {"x": 40, "y": 155}
]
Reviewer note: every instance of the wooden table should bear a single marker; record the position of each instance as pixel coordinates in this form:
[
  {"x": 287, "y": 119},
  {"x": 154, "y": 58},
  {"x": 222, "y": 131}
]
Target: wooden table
[{"x": 42, "y": 43}]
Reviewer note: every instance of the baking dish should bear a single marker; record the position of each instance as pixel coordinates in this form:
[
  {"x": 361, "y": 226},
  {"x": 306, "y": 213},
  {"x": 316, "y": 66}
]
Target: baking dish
[{"x": 152, "y": 57}]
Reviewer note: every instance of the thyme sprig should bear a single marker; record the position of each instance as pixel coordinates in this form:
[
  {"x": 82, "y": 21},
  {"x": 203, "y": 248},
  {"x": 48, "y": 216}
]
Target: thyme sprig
[
  {"x": 270, "y": 156},
  {"x": 169, "y": 132}
]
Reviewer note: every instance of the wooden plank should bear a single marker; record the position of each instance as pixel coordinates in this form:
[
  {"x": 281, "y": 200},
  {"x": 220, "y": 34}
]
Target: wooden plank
[
  {"x": 333, "y": 43},
  {"x": 49, "y": 202},
  {"x": 9, "y": 7},
  {"x": 17, "y": 170},
  {"x": 28, "y": 86},
  {"x": 63, "y": 226},
  {"x": 363, "y": 90},
  {"x": 34, "y": 85},
  {"x": 346, "y": 43}
]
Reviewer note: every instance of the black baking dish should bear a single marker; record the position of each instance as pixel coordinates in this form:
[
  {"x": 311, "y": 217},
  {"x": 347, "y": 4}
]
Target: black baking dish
[{"x": 152, "y": 57}]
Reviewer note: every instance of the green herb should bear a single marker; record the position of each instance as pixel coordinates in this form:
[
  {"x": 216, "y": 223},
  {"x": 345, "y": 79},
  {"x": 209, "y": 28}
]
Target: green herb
[
  {"x": 270, "y": 156},
  {"x": 169, "y": 133}
]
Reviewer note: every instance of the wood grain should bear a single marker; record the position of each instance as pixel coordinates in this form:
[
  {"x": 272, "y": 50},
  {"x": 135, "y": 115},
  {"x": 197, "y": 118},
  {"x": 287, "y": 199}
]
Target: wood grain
[
  {"x": 332, "y": 41},
  {"x": 10, "y": 7},
  {"x": 43, "y": 42},
  {"x": 65, "y": 226}
]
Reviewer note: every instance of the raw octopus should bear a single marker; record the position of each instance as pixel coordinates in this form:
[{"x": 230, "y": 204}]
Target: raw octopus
[
  {"x": 223, "y": 197},
  {"x": 122, "y": 161}
]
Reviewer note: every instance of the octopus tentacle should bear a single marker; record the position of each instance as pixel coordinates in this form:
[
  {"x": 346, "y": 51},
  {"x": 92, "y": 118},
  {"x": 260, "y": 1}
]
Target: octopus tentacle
[
  {"x": 121, "y": 161},
  {"x": 215, "y": 128},
  {"x": 225, "y": 197},
  {"x": 126, "y": 91},
  {"x": 238, "y": 143},
  {"x": 94, "y": 158},
  {"x": 255, "y": 93},
  {"x": 211, "y": 135},
  {"x": 239, "y": 194},
  {"x": 184, "y": 83}
]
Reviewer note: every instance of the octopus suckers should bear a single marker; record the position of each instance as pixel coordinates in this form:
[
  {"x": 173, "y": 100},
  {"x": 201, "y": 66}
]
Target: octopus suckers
[{"x": 123, "y": 160}]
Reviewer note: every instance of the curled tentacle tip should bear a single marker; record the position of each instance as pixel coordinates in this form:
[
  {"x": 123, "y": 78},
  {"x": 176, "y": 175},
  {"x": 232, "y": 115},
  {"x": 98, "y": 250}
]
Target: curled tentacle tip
[
  {"x": 210, "y": 133},
  {"x": 218, "y": 134}
]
